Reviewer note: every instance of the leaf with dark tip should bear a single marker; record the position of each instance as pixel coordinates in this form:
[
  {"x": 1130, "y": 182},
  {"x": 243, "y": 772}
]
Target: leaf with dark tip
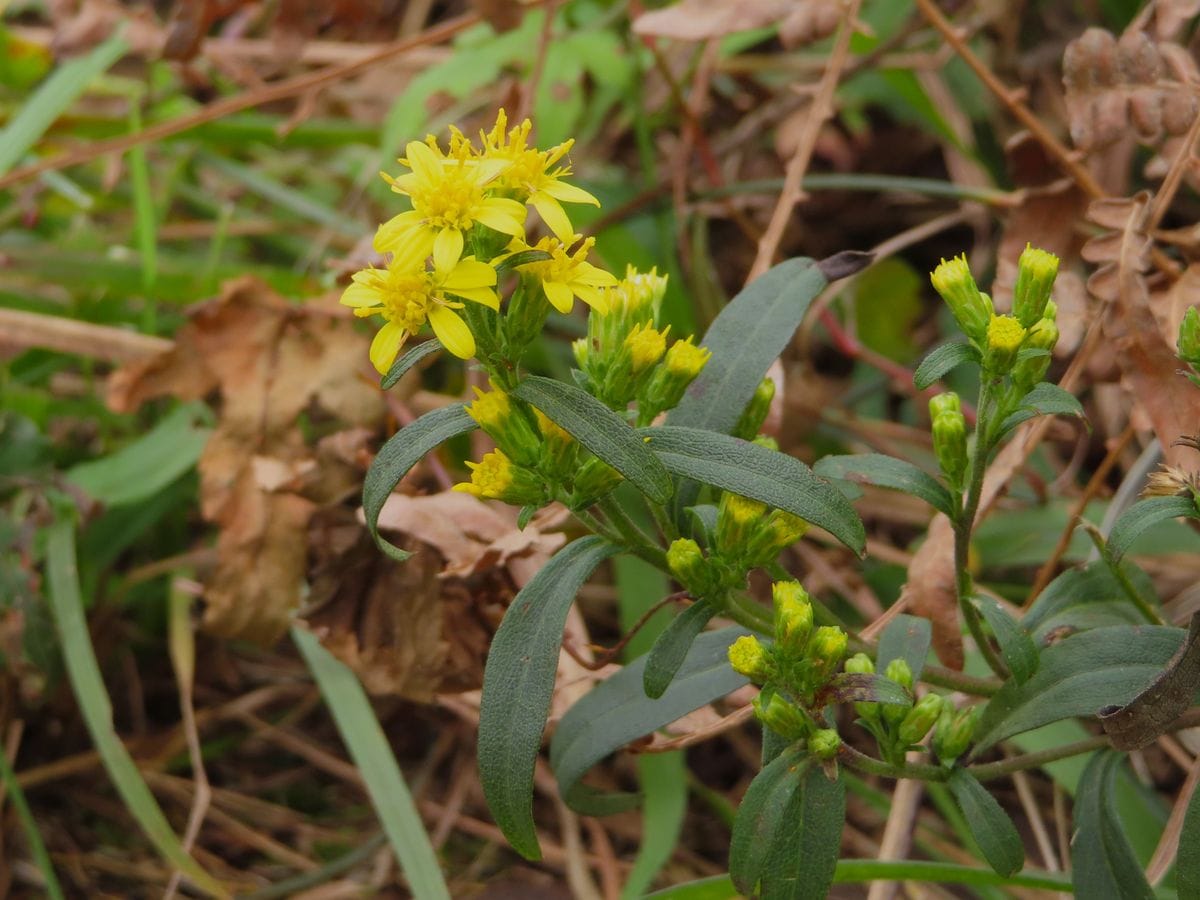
[
  {"x": 989, "y": 824},
  {"x": 518, "y": 682},
  {"x": 522, "y": 258},
  {"x": 410, "y": 358},
  {"x": 672, "y": 646},
  {"x": 1102, "y": 862},
  {"x": 1150, "y": 511},
  {"x": 851, "y": 687},
  {"x": 943, "y": 360},
  {"x": 888, "y": 472},
  {"x": 844, "y": 264},
  {"x": 403, "y": 451},
  {"x": 600, "y": 430},
  {"x": 1016, "y": 646}
]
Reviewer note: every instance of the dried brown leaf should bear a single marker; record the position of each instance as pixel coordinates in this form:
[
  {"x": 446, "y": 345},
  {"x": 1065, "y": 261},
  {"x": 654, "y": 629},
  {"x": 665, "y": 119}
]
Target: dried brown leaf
[
  {"x": 700, "y": 20},
  {"x": 931, "y": 594}
]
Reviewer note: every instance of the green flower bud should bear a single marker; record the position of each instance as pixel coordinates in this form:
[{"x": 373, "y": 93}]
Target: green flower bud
[
  {"x": 949, "y": 437},
  {"x": 1029, "y": 371},
  {"x": 954, "y": 732},
  {"x": 779, "y": 530},
  {"x": 749, "y": 657},
  {"x": 957, "y": 287},
  {"x": 781, "y": 716},
  {"x": 1189, "y": 337},
  {"x": 666, "y": 387},
  {"x": 825, "y": 743},
  {"x": 496, "y": 477},
  {"x": 916, "y": 724},
  {"x": 595, "y": 479},
  {"x": 559, "y": 449},
  {"x": 860, "y": 664},
  {"x": 525, "y": 317},
  {"x": 793, "y": 618},
  {"x": 508, "y": 426},
  {"x": 738, "y": 520},
  {"x": 898, "y": 671},
  {"x": 1004, "y": 337},
  {"x": 686, "y": 561},
  {"x": 1036, "y": 271},
  {"x": 826, "y": 650},
  {"x": 756, "y": 411}
]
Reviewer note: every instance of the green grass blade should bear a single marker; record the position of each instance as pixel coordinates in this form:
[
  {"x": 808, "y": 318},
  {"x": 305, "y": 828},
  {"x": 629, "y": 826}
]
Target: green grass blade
[
  {"x": 369, "y": 749},
  {"x": 144, "y": 219},
  {"x": 84, "y": 674},
  {"x": 53, "y": 97},
  {"x": 36, "y": 848}
]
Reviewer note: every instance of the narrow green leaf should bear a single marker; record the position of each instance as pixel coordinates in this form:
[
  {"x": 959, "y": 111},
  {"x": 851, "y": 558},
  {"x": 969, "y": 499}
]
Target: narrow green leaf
[
  {"x": 905, "y": 637},
  {"x": 990, "y": 825},
  {"x": 663, "y": 777},
  {"x": 1102, "y": 862},
  {"x": 403, "y": 451},
  {"x": 1045, "y": 399},
  {"x": 53, "y": 97},
  {"x": 518, "y": 682},
  {"x": 1016, "y": 646},
  {"x": 88, "y": 685},
  {"x": 146, "y": 466},
  {"x": 618, "y": 711},
  {"x": 407, "y": 360},
  {"x": 1086, "y": 597},
  {"x": 601, "y": 430},
  {"x": 368, "y": 745},
  {"x": 1142, "y": 515},
  {"x": 1187, "y": 863},
  {"x": 1079, "y": 676},
  {"x": 761, "y": 474},
  {"x": 888, "y": 472},
  {"x": 672, "y": 646},
  {"x": 942, "y": 360},
  {"x": 788, "y": 830},
  {"x": 37, "y": 847},
  {"x": 144, "y": 218},
  {"x": 745, "y": 338}
]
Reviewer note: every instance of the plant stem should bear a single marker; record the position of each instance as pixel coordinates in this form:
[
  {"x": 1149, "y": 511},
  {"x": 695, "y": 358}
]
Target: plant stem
[
  {"x": 872, "y": 766},
  {"x": 749, "y": 614},
  {"x": 632, "y": 535},
  {"x": 1000, "y": 768},
  {"x": 960, "y": 681},
  {"x": 1121, "y": 576}
]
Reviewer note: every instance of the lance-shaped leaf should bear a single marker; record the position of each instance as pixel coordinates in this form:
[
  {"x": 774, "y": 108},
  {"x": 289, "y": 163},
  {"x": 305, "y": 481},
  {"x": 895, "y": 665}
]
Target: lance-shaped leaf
[
  {"x": 745, "y": 338},
  {"x": 942, "y": 360},
  {"x": 989, "y": 824},
  {"x": 1086, "y": 597},
  {"x": 1078, "y": 677},
  {"x": 601, "y": 430},
  {"x": 1187, "y": 863},
  {"x": 1169, "y": 696},
  {"x": 849, "y": 687},
  {"x": 403, "y": 451},
  {"x": 1016, "y": 646},
  {"x": 788, "y": 830},
  {"x": 409, "y": 359},
  {"x": 759, "y": 473},
  {"x": 1045, "y": 399},
  {"x": 1102, "y": 862},
  {"x": 518, "y": 682},
  {"x": 905, "y": 637},
  {"x": 618, "y": 711},
  {"x": 1142, "y": 515},
  {"x": 888, "y": 472},
  {"x": 672, "y": 646}
]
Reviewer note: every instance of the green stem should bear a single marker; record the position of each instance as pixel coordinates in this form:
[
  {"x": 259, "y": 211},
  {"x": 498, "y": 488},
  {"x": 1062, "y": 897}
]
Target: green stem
[
  {"x": 1121, "y": 576},
  {"x": 749, "y": 614},
  {"x": 960, "y": 681},
  {"x": 966, "y": 523},
  {"x": 632, "y": 535},
  {"x": 1000, "y": 768},
  {"x": 37, "y": 848},
  {"x": 872, "y": 766}
]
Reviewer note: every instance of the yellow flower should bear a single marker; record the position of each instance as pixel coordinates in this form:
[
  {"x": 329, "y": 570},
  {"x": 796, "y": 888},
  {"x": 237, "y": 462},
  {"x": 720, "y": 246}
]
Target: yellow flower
[
  {"x": 685, "y": 359},
  {"x": 566, "y": 276},
  {"x": 408, "y": 294},
  {"x": 491, "y": 477},
  {"x": 749, "y": 657},
  {"x": 646, "y": 346},
  {"x": 531, "y": 175},
  {"x": 449, "y": 196}
]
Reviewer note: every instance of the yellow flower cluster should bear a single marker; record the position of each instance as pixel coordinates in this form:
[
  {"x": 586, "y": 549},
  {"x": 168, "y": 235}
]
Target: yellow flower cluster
[{"x": 469, "y": 207}]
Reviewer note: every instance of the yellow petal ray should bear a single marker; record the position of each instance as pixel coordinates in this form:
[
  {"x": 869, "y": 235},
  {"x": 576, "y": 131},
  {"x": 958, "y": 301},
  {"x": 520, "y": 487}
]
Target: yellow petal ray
[
  {"x": 553, "y": 215},
  {"x": 586, "y": 273},
  {"x": 592, "y": 297},
  {"x": 568, "y": 193},
  {"x": 470, "y": 273},
  {"x": 559, "y": 295},
  {"x": 447, "y": 249},
  {"x": 359, "y": 295},
  {"x": 484, "y": 295},
  {"x": 424, "y": 161},
  {"x": 392, "y": 232},
  {"x": 452, "y": 331},
  {"x": 386, "y": 345}
]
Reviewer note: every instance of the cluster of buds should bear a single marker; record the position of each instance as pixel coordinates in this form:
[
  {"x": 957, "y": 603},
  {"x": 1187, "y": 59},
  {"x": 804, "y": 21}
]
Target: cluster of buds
[
  {"x": 793, "y": 669},
  {"x": 751, "y": 534},
  {"x": 899, "y": 727},
  {"x": 624, "y": 357},
  {"x": 949, "y": 437},
  {"x": 953, "y": 733}
]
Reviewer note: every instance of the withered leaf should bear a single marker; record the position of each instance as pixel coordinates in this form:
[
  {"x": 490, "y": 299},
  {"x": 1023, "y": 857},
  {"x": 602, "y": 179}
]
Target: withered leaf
[{"x": 699, "y": 20}]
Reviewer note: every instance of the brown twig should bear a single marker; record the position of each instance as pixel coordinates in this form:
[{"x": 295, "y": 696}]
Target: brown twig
[
  {"x": 605, "y": 655},
  {"x": 819, "y": 112},
  {"x": 708, "y": 732}
]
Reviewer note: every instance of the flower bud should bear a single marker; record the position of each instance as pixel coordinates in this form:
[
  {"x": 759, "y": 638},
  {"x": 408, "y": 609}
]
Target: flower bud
[
  {"x": 508, "y": 426},
  {"x": 916, "y": 724},
  {"x": 756, "y": 411},
  {"x": 793, "y": 618},
  {"x": 954, "y": 732},
  {"x": 749, "y": 657},
  {"x": 596, "y": 478},
  {"x": 1029, "y": 371},
  {"x": 779, "y": 530},
  {"x": 825, "y": 653},
  {"x": 686, "y": 562},
  {"x": 665, "y": 389},
  {"x": 949, "y": 437},
  {"x": 825, "y": 743},
  {"x": 558, "y": 447},
  {"x": 646, "y": 346},
  {"x": 496, "y": 477},
  {"x": 738, "y": 520},
  {"x": 1004, "y": 337},
  {"x": 898, "y": 671},
  {"x": 1189, "y": 337},
  {"x": 1036, "y": 271},
  {"x": 861, "y": 664},
  {"x": 957, "y": 287},
  {"x": 781, "y": 716}
]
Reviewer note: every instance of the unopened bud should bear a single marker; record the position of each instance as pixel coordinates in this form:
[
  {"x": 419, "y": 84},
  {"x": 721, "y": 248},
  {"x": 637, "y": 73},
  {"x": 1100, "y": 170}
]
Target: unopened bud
[
  {"x": 861, "y": 664},
  {"x": 596, "y": 478},
  {"x": 916, "y": 724},
  {"x": 496, "y": 477},
  {"x": 1036, "y": 271},
  {"x": 825, "y": 743},
  {"x": 778, "y": 531},
  {"x": 686, "y": 562},
  {"x": 749, "y": 657},
  {"x": 898, "y": 671},
  {"x": 1004, "y": 337},
  {"x": 756, "y": 411},
  {"x": 497, "y": 414},
  {"x": 826, "y": 650},
  {"x": 971, "y": 309},
  {"x": 738, "y": 520},
  {"x": 949, "y": 437},
  {"x": 1029, "y": 371},
  {"x": 954, "y": 732},
  {"x": 683, "y": 362},
  {"x": 793, "y": 618},
  {"x": 781, "y": 716}
]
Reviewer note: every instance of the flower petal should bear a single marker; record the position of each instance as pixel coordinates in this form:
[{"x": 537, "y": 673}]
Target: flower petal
[
  {"x": 592, "y": 297},
  {"x": 484, "y": 295},
  {"x": 392, "y": 232},
  {"x": 470, "y": 273},
  {"x": 487, "y": 169},
  {"x": 424, "y": 161},
  {"x": 553, "y": 215},
  {"x": 447, "y": 249},
  {"x": 452, "y": 331},
  {"x": 559, "y": 295},
  {"x": 386, "y": 345},
  {"x": 568, "y": 193},
  {"x": 412, "y": 249},
  {"x": 501, "y": 214},
  {"x": 586, "y": 273},
  {"x": 359, "y": 295}
]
